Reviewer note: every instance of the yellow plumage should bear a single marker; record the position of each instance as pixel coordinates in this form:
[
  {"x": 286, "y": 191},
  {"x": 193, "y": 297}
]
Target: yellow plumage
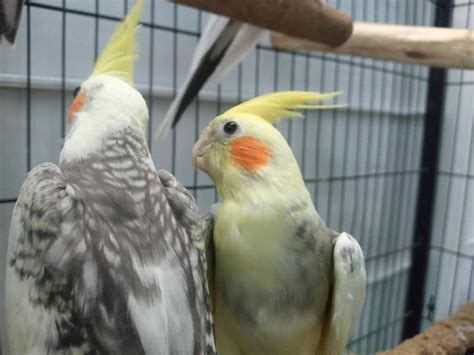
[
  {"x": 285, "y": 104},
  {"x": 118, "y": 57},
  {"x": 277, "y": 264}
]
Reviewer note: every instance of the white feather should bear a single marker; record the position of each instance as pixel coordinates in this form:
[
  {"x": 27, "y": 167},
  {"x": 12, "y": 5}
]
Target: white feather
[
  {"x": 165, "y": 323},
  {"x": 245, "y": 39},
  {"x": 349, "y": 293},
  {"x": 114, "y": 105},
  {"x": 165, "y": 126},
  {"x": 214, "y": 27}
]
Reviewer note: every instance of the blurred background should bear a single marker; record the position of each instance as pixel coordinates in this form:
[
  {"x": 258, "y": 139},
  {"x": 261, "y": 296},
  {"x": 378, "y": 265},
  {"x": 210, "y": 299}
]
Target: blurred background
[{"x": 362, "y": 164}]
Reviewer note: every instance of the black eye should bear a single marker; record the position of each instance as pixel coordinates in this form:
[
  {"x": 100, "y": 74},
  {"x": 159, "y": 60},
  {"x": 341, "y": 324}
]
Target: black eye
[
  {"x": 76, "y": 91},
  {"x": 230, "y": 127}
]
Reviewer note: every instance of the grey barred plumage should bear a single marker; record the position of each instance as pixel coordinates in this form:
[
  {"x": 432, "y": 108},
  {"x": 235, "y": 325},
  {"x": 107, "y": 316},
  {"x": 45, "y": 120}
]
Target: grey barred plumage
[
  {"x": 92, "y": 233},
  {"x": 104, "y": 252}
]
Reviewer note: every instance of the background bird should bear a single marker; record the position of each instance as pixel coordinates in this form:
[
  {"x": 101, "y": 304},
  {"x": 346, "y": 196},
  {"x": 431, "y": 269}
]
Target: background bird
[
  {"x": 223, "y": 44},
  {"x": 284, "y": 282},
  {"x": 104, "y": 252},
  {"x": 10, "y": 15}
]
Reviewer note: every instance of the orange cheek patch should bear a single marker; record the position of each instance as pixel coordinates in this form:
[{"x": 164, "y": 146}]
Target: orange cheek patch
[
  {"x": 76, "y": 106},
  {"x": 250, "y": 153}
]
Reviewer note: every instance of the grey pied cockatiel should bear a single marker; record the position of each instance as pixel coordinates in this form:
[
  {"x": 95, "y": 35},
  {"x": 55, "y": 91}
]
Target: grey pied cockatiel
[
  {"x": 105, "y": 254},
  {"x": 10, "y": 15},
  {"x": 283, "y": 282},
  {"x": 224, "y": 42}
]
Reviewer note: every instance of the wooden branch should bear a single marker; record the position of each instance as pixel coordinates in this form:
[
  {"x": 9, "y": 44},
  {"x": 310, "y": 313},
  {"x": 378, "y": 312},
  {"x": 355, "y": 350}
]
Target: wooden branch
[
  {"x": 452, "y": 336},
  {"x": 434, "y": 46},
  {"x": 310, "y": 19}
]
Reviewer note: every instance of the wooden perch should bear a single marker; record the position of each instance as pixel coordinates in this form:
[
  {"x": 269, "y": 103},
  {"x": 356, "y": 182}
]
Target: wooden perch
[
  {"x": 310, "y": 19},
  {"x": 434, "y": 46},
  {"x": 452, "y": 336}
]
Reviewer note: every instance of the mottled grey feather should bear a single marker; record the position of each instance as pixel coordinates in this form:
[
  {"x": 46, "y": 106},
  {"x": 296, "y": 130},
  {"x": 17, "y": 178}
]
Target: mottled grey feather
[
  {"x": 200, "y": 229},
  {"x": 87, "y": 226},
  {"x": 203, "y": 237}
]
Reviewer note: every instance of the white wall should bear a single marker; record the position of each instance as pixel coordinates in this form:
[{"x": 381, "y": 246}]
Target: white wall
[{"x": 361, "y": 163}]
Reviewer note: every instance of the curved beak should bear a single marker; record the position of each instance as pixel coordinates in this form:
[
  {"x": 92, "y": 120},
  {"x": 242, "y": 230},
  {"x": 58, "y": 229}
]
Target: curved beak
[{"x": 200, "y": 150}]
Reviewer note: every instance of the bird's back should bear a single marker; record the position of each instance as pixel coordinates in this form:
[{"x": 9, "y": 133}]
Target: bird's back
[{"x": 129, "y": 276}]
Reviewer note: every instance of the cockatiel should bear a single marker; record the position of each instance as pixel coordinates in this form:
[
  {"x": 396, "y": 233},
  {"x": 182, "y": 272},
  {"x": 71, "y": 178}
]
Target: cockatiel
[
  {"x": 284, "y": 283},
  {"x": 224, "y": 43},
  {"x": 10, "y": 15},
  {"x": 105, "y": 255}
]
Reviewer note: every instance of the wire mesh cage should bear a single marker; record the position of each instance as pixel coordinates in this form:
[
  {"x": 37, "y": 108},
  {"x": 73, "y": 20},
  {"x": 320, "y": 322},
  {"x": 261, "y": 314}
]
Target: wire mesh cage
[
  {"x": 451, "y": 252},
  {"x": 362, "y": 164}
]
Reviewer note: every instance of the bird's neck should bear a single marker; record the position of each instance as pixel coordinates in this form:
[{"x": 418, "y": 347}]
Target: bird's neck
[
  {"x": 256, "y": 220},
  {"x": 90, "y": 131},
  {"x": 269, "y": 188}
]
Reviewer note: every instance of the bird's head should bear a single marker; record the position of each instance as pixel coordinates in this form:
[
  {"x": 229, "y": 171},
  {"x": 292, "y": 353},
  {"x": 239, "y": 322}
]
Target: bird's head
[
  {"x": 242, "y": 152},
  {"x": 109, "y": 96},
  {"x": 107, "y": 101}
]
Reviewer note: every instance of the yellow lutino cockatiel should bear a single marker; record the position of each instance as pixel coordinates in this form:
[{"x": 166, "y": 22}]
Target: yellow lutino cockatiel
[{"x": 284, "y": 283}]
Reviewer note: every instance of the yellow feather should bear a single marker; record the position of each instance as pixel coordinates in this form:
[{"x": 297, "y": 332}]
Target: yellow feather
[
  {"x": 118, "y": 57},
  {"x": 285, "y": 104}
]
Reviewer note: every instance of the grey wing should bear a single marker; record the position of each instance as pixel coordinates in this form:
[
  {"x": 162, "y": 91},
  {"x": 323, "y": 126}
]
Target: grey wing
[
  {"x": 39, "y": 306},
  {"x": 59, "y": 295},
  {"x": 67, "y": 290},
  {"x": 186, "y": 212},
  {"x": 182, "y": 202},
  {"x": 205, "y": 231},
  {"x": 10, "y": 13},
  {"x": 348, "y": 294}
]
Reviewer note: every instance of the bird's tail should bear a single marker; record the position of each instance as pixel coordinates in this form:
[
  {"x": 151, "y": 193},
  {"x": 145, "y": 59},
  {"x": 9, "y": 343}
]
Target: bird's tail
[{"x": 10, "y": 14}]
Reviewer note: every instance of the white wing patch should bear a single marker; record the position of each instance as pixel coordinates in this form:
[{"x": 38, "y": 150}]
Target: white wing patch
[
  {"x": 165, "y": 323},
  {"x": 349, "y": 293}
]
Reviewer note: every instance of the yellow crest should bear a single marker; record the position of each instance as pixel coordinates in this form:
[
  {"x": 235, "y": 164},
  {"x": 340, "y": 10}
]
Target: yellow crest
[
  {"x": 118, "y": 57},
  {"x": 285, "y": 104}
]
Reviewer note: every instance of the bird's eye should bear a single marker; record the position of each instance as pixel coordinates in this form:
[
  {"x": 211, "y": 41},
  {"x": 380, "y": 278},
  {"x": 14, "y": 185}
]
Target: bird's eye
[
  {"x": 76, "y": 91},
  {"x": 230, "y": 127}
]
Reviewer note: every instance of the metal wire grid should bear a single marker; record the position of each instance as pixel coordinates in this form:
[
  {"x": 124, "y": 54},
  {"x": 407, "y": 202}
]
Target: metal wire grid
[
  {"x": 361, "y": 164},
  {"x": 450, "y": 275}
]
